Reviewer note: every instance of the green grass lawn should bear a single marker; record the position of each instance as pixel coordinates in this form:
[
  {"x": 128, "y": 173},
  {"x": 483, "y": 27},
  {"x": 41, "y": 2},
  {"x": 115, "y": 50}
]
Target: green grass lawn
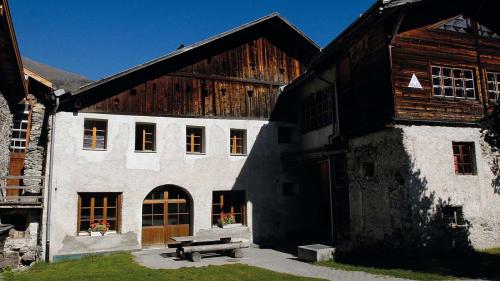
[
  {"x": 122, "y": 267},
  {"x": 483, "y": 264}
]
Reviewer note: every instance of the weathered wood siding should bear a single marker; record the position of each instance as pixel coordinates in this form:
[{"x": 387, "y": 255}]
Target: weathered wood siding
[
  {"x": 364, "y": 88},
  {"x": 242, "y": 82},
  {"x": 414, "y": 51}
]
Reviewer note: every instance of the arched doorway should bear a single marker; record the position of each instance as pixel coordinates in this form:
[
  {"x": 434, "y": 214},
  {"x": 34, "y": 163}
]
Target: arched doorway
[{"x": 166, "y": 212}]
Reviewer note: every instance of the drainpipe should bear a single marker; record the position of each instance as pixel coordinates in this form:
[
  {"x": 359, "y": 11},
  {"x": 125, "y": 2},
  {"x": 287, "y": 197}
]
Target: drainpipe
[{"x": 49, "y": 187}]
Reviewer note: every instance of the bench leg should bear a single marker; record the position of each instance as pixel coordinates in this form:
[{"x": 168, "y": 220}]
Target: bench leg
[
  {"x": 180, "y": 253},
  {"x": 195, "y": 256},
  {"x": 236, "y": 253}
]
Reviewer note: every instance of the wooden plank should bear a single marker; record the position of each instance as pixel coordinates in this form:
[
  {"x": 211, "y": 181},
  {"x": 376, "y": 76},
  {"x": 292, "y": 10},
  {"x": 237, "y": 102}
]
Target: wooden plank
[{"x": 215, "y": 247}]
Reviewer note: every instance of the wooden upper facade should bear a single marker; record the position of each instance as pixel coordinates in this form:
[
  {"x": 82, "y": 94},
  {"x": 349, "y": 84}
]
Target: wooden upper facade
[
  {"x": 451, "y": 55},
  {"x": 12, "y": 85},
  {"x": 234, "y": 75}
]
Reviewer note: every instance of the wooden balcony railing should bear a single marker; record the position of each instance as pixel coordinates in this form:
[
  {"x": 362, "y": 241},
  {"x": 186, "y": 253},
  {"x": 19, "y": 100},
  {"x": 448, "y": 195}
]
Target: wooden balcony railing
[{"x": 21, "y": 191}]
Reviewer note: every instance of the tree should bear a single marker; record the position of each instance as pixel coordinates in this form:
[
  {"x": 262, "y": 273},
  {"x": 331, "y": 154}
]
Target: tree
[{"x": 490, "y": 127}]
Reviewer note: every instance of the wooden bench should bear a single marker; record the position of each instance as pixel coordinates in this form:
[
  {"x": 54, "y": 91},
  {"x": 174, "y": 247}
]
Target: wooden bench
[{"x": 229, "y": 242}]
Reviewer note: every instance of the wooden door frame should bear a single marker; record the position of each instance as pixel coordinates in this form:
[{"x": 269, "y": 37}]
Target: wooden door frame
[{"x": 165, "y": 201}]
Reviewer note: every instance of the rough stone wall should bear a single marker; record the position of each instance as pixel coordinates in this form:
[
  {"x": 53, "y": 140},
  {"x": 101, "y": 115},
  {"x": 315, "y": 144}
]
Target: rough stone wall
[
  {"x": 5, "y": 135},
  {"x": 430, "y": 149},
  {"x": 376, "y": 201},
  {"x": 35, "y": 153},
  {"x": 21, "y": 248},
  {"x": 400, "y": 206}
]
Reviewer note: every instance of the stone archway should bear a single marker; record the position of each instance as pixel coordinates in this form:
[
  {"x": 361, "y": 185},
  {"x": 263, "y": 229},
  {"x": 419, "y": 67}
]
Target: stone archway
[{"x": 166, "y": 212}]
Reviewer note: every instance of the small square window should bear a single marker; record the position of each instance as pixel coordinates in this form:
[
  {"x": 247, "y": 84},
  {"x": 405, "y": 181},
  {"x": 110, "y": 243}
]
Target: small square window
[
  {"x": 95, "y": 134},
  {"x": 368, "y": 169},
  {"x": 290, "y": 189},
  {"x": 463, "y": 158},
  {"x": 145, "y": 137},
  {"x": 237, "y": 142},
  {"x": 285, "y": 134},
  {"x": 195, "y": 140},
  {"x": 453, "y": 215}
]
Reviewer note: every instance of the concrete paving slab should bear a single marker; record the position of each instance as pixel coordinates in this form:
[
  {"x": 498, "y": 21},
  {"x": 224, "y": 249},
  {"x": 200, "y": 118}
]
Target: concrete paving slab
[{"x": 263, "y": 258}]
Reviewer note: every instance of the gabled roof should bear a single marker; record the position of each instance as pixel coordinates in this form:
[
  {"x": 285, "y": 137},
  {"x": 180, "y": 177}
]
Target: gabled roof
[
  {"x": 484, "y": 11},
  {"x": 274, "y": 27},
  {"x": 37, "y": 77},
  {"x": 11, "y": 78}
]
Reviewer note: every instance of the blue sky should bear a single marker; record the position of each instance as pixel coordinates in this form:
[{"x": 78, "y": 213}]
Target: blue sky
[{"x": 98, "y": 38}]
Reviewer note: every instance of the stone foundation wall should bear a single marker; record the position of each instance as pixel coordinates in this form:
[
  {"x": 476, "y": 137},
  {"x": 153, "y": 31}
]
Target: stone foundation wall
[{"x": 21, "y": 248}]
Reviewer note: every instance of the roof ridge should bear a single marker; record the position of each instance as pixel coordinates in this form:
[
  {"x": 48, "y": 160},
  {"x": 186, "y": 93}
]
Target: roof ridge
[{"x": 193, "y": 46}]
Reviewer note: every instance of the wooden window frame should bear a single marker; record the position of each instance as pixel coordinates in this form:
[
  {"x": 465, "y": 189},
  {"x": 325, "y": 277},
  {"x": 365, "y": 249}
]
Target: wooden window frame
[
  {"x": 105, "y": 195},
  {"x": 458, "y": 158},
  {"x": 219, "y": 201},
  {"x": 142, "y": 138},
  {"x": 17, "y": 142},
  {"x": 94, "y": 131},
  {"x": 238, "y": 142},
  {"x": 496, "y": 85},
  {"x": 191, "y": 142},
  {"x": 453, "y": 215},
  {"x": 454, "y": 88},
  {"x": 317, "y": 110}
]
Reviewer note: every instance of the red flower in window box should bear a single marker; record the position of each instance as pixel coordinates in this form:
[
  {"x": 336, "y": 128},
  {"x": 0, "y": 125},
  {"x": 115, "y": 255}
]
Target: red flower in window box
[
  {"x": 101, "y": 226},
  {"x": 225, "y": 219}
]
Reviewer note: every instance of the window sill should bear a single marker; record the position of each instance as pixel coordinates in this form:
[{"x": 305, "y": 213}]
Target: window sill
[
  {"x": 145, "y": 151},
  {"x": 465, "y": 174},
  {"x": 238, "y": 155},
  {"x": 87, "y": 234},
  {"x": 196, "y": 153},
  {"x": 90, "y": 149}
]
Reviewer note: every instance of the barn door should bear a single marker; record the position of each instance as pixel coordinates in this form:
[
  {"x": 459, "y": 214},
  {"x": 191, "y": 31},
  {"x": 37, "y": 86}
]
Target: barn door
[{"x": 165, "y": 214}]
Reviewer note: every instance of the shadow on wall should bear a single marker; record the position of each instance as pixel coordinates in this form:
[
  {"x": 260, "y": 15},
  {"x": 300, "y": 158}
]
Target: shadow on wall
[
  {"x": 420, "y": 222},
  {"x": 278, "y": 216},
  {"x": 431, "y": 235}
]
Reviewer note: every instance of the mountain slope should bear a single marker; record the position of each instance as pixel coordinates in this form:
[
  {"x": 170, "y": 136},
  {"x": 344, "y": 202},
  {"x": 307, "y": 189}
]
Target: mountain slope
[{"x": 60, "y": 78}]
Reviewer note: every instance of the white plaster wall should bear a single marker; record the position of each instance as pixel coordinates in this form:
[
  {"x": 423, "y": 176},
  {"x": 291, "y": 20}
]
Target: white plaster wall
[
  {"x": 120, "y": 169},
  {"x": 430, "y": 149},
  {"x": 316, "y": 138}
]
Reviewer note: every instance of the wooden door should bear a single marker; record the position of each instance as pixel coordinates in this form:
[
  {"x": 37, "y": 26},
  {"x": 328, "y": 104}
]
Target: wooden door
[
  {"x": 16, "y": 166},
  {"x": 165, "y": 214}
]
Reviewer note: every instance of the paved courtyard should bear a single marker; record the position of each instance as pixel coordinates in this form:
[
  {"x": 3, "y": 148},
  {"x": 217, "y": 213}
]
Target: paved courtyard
[{"x": 264, "y": 258}]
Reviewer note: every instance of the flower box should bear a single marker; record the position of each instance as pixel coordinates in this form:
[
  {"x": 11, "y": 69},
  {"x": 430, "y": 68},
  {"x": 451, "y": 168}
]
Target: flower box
[
  {"x": 96, "y": 233},
  {"x": 231, "y": 225}
]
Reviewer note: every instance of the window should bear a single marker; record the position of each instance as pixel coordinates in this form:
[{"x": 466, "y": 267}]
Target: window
[
  {"x": 290, "y": 189},
  {"x": 94, "y": 136},
  {"x": 195, "y": 140},
  {"x": 493, "y": 86},
  {"x": 164, "y": 207},
  {"x": 237, "y": 143},
  {"x": 317, "y": 110},
  {"x": 229, "y": 202},
  {"x": 463, "y": 157},
  {"x": 96, "y": 207},
  {"x": 20, "y": 128},
  {"x": 285, "y": 134},
  {"x": 453, "y": 82},
  {"x": 145, "y": 137},
  {"x": 453, "y": 215},
  {"x": 368, "y": 169},
  {"x": 462, "y": 24}
]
